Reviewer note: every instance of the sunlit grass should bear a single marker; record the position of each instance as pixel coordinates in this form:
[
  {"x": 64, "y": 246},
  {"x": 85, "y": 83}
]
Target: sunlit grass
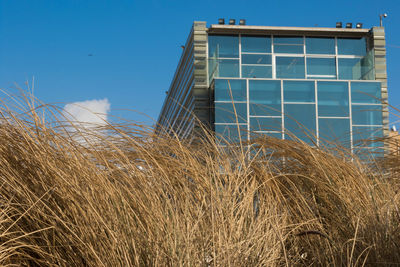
[{"x": 121, "y": 197}]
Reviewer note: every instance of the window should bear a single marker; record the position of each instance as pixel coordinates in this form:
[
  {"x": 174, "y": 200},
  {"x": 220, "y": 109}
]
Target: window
[
  {"x": 367, "y": 114},
  {"x": 321, "y": 68},
  {"x": 230, "y": 90},
  {"x": 298, "y": 91},
  {"x": 266, "y": 124},
  {"x": 265, "y": 98},
  {"x": 362, "y": 92},
  {"x": 352, "y": 46},
  {"x": 230, "y": 112},
  {"x": 300, "y": 122},
  {"x": 320, "y": 45},
  {"x": 333, "y": 99},
  {"x": 223, "y": 46},
  {"x": 334, "y": 132},
  {"x": 291, "y": 45},
  {"x": 290, "y": 67},
  {"x": 256, "y": 44}
]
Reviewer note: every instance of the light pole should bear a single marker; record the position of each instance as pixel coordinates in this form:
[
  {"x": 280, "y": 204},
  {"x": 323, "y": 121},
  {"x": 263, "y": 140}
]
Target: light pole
[{"x": 381, "y": 16}]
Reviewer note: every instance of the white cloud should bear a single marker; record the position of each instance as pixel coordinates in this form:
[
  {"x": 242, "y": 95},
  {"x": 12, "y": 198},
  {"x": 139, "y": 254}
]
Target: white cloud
[
  {"x": 83, "y": 117},
  {"x": 87, "y": 113}
]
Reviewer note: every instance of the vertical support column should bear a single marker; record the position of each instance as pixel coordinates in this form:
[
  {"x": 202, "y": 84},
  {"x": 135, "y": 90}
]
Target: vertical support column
[
  {"x": 201, "y": 95},
  {"x": 379, "y": 46}
]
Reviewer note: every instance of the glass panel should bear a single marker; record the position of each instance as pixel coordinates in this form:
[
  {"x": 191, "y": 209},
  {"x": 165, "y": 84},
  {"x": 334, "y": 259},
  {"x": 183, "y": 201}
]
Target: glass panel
[
  {"x": 366, "y": 92},
  {"x": 274, "y": 135},
  {"x": 318, "y": 45},
  {"x": 223, "y": 46},
  {"x": 367, "y": 114},
  {"x": 290, "y": 67},
  {"x": 256, "y": 44},
  {"x": 266, "y": 124},
  {"x": 230, "y": 133},
  {"x": 256, "y": 59},
  {"x": 335, "y": 131},
  {"x": 352, "y": 46},
  {"x": 298, "y": 91},
  {"x": 256, "y": 72},
  {"x": 228, "y": 90},
  {"x": 224, "y": 112},
  {"x": 355, "y": 68},
  {"x": 367, "y": 136},
  {"x": 289, "y": 49},
  {"x": 368, "y": 154},
  {"x": 288, "y": 40},
  {"x": 300, "y": 122},
  {"x": 265, "y": 98},
  {"x": 321, "y": 66},
  {"x": 226, "y": 68},
  {"x": 333, "y": 99}
]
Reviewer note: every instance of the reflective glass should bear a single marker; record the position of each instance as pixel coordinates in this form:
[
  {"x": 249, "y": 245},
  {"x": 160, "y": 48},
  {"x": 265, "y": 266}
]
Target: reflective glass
[
  {"x": 290, "y": 67},
  {"x": 288, "y": 40},
  {"x": 335, "y": 131},
  {"x": 300, "y": 121},
  {"x": 256, "y": 71},
  {"x": 265, "y": 98},
  {"x": 355, "y": 69},
  {"x": 288, "y": 49},
  {"x": 256, "y": 59},
  {"x": 320, "y": 45},
  {"x": 367, "y": 136},
  {"x": 230, "y": 133},
  {"x": 224, "y": 112},
  {"x": 366, "y": 92},
  {"x": 352, "y": 46},
  {"x": 321, "y": 66},
  {"x": 368, "y": 154},
  {"x": 367, "y": 114},
  {"x": 274, "y": 135},
  {"x": 223, "y": 46},
  {"x": 228, "y": 90},
  {"x": 227, "y": 68},
  {"x": 256, "y": 44},
  {"x": 333, "y": 99},
  {"x": 298, "y": 91},
  {"x": 265, "y": 124}
]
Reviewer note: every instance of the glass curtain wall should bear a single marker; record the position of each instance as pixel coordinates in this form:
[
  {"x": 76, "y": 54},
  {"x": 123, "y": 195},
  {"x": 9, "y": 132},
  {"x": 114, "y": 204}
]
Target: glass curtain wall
[
  {"x": 312, "y": 88},
  {"x": 289, "y": 57},
  {"x": 319, "y": 112}
]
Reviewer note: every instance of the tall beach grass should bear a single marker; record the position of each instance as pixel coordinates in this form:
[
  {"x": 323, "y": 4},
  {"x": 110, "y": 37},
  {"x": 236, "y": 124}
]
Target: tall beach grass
[{"x": 123, "y": 197}]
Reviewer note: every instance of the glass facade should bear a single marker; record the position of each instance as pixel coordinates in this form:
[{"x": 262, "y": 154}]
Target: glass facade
[
  {"x": 347, "y": 113},
  {"x": 291, "y": 57},
  {"x": 320, "y": 90}
]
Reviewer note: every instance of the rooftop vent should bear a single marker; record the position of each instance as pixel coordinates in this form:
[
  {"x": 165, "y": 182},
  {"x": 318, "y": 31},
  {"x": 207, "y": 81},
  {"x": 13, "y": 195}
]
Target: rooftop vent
[
  {"x": 232, "y": 21},
  {"x": 221, "y": 21},
  {"x": 242, "y": 22},
  {"x": 339, "y": 25},
  {"x": 349, "y": 25}
]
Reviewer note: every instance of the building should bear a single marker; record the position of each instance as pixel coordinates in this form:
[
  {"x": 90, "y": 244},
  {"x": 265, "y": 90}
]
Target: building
[{"x": 320, "y": 84}]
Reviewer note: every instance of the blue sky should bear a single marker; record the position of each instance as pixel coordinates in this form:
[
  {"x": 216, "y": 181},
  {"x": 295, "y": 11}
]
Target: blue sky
[{"x": 135, "y": 45}]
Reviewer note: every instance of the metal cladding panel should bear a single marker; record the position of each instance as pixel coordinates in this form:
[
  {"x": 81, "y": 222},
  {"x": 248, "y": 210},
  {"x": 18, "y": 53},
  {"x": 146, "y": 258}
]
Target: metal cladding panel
[{"x": 378, "y": 35}]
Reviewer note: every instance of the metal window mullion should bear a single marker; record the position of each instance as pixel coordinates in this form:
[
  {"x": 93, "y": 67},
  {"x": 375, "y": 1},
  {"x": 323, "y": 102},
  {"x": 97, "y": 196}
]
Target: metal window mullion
[
  {"x": 367, "y": 125},
  {"x": 336, "y": 59},
  {"x": 283, "y": 112},
  {"x": 316, "y": 112},
  {"x": 273, "y": 60},
  {"x": 248, "y": 109},
  {"x": 351, "y": 118},
  {"x": 240, "y": 55}
]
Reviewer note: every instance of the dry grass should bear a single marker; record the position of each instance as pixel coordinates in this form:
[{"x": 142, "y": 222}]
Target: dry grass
[{"x": 127, "y": 199}]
